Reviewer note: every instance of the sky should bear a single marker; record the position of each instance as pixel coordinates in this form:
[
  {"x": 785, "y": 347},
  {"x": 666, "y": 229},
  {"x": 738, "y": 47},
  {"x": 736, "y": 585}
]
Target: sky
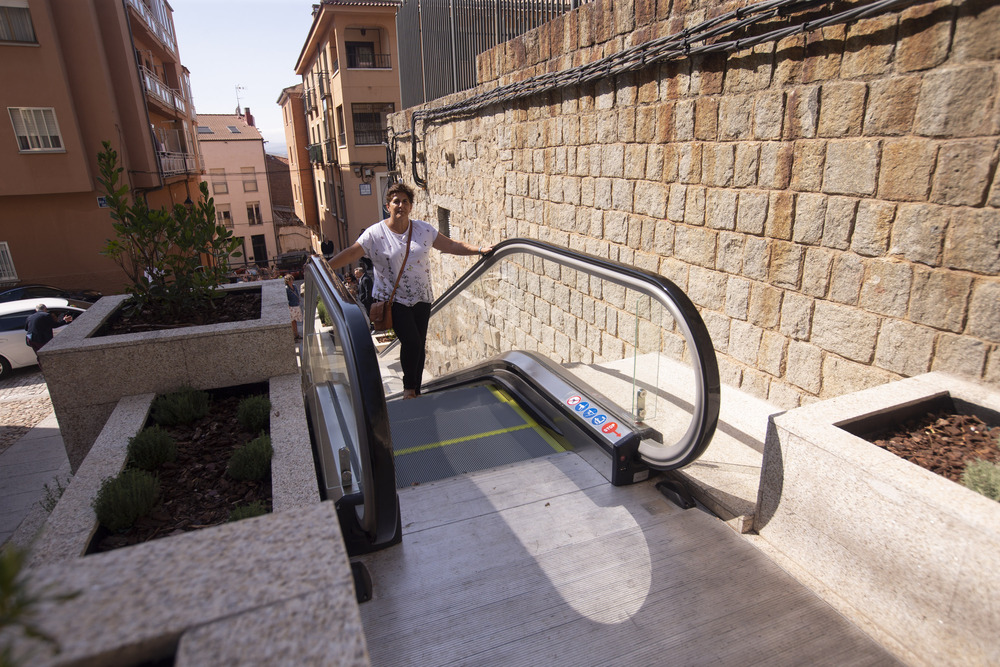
[{"x": 252, "y": 44}]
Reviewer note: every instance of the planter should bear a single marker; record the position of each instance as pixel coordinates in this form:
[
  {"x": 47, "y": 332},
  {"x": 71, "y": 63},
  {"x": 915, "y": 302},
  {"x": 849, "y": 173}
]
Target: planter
[
  {"x": 72, "y": 524},
  {"x": 908, "y": 554},
  {"x": 273, "y": 589},
  {"x": 87, "y": 375}
]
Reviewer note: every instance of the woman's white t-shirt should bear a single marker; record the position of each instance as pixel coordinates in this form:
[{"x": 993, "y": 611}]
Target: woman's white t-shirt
[{"x": 386, "y": 249}]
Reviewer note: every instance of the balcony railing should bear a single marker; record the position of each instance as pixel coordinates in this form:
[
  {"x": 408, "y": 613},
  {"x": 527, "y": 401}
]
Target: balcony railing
[
  {"x": 370, "y": 137},
  {"x": 315, "y": 153},
  {"x": 162, "y": 31},
  {"x": 169, "y": 97},
  {"x": 177, "y": 163},
  {"x": 369, "y": 61},
  {"x": 330, "y": 155}
]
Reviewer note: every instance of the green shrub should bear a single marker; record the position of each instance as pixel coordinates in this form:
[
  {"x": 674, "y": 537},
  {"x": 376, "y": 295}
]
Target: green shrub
[
  {"x": 125, "y": 498},
  {"x": 252, "y": 461},
  {"x": 151, "y": 448},
  {"x": 53, "y": 494},
  {"x": 324, "y": 316},
  {"x": 983, "y": 477},
  {"x": 248, "y": 511},
  {"x": 254, "y": 413},
  {"x": 180, "y": 407}
]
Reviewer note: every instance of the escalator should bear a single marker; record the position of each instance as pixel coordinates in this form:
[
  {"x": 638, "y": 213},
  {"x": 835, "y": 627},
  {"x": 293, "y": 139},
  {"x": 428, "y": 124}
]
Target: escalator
[{"x": 536, "y": 350}]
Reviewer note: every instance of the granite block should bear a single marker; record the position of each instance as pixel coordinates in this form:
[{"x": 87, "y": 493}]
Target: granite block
[{"x": 895, "y": 541}]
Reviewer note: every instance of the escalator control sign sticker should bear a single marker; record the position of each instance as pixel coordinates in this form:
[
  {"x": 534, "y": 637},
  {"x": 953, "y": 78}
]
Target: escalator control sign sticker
[{"x": 594, "y": 415}]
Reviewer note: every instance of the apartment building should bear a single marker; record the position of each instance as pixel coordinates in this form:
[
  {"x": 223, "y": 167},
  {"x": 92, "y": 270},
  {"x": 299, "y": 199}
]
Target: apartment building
[
  {"x": 350, "y": 84},
  {"x": 233, "y": 151},
  {"x": 293, "y": 115},
  {"x": 74, "y": 74}
]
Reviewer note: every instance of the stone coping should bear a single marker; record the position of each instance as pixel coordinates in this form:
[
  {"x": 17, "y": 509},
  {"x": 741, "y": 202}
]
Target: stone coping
[
  {"x": 273, "y": 312},
  {"x": 87, "y": 376},
  {"x": 906, "y": 554},
  {"x": 275, "y": 589},
  {"x": 73, "y": 523}
]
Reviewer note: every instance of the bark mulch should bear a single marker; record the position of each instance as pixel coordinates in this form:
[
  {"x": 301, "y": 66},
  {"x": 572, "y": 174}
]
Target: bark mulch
[
  {"x": 942, "y": 442},
  {"x": 195, "y": 491}
]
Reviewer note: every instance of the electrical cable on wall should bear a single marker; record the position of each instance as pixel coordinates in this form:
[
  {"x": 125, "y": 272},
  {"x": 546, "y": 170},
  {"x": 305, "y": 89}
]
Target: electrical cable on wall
[{"x": 684, "y": 44}]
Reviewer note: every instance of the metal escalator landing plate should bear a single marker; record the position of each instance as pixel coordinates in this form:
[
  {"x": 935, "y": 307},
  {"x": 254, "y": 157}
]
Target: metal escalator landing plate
[{"x": 462, "y": 430}]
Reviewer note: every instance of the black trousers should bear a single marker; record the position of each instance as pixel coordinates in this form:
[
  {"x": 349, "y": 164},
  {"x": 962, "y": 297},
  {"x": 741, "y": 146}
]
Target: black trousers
[{"x": 410, "y": 325}]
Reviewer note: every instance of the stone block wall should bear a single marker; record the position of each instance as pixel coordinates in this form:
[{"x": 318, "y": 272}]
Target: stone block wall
[{"x": 829, "y": 201}]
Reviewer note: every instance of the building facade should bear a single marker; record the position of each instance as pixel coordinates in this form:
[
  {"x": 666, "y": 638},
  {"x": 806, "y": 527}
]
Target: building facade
[
  {"x": 74, "y": 75},
  {"x": 293, "y": 116},
  {"x": 350, "y": 85},
  {"x": 233, "y": 150}
]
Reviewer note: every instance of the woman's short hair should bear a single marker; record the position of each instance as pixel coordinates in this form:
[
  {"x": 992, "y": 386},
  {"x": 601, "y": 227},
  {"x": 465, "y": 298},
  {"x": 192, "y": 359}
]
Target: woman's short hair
[{"x": 399, "y": 188}]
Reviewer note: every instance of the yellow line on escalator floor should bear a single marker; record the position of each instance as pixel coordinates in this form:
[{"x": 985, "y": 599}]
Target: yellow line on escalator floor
[
  {"x": 504, "y": 398},
  {"x": 464, "y": 438}
]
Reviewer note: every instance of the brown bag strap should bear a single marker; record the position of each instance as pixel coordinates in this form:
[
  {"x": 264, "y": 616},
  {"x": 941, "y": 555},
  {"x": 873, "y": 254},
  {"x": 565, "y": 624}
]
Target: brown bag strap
[{"x": 409, "y": 233}]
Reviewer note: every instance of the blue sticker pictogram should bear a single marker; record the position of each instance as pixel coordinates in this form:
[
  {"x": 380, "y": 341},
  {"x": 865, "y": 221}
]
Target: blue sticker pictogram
[
  {"x": 599, "y": 419},
  {"x": 581, "y": 406},
  {"x": 590, "y": 413}
]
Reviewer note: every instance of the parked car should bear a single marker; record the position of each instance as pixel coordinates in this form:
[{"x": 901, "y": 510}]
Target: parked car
[
  {"x": 35, "y": 291},
  {"x": 14, "y": 352}
]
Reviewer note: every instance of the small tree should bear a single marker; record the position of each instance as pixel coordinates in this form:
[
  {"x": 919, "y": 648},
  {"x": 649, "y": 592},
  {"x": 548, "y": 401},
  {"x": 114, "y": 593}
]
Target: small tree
[{"x": 174, "y": 260}]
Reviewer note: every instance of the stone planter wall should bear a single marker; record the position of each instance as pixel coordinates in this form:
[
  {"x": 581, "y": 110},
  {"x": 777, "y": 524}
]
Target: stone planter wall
[
  {"x": 268, "y": 590},
  {"x": 902, "y": 550},
  {"x": 72, "y": 524},
  {"x": 88, "y": 375}
]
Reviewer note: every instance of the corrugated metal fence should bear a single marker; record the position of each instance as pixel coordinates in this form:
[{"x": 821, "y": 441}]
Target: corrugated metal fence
[{"x": 440, "y": 39}]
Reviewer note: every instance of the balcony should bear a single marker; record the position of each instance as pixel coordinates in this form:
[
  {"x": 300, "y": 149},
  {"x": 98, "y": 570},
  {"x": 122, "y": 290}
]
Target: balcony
[
  {"x": 173, "y": 164},
  {"x": 370, "y": 137},
  {"x": 331, "y": 156},
  {"x": 161, "y": 92},
  {"x": 363, "y": 60},
  {"x": 161, "y": 29},
  {"x": 315, "y": 153}
]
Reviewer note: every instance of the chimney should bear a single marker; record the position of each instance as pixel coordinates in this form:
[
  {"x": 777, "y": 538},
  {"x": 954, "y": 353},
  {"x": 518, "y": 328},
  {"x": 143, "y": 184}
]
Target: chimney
[{"x": 249, "y": 117}]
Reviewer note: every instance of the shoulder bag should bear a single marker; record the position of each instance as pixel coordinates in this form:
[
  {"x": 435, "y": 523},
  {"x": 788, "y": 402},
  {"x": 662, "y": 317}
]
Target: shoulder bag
[{"x": 381, "y": 311}]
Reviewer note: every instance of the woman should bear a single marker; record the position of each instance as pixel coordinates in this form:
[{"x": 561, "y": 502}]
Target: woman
[{"x": 384, "y": 243}]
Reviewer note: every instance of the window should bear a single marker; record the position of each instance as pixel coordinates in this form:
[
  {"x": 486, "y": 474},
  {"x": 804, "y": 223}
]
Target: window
[
  {"x": 343, "y": 203},
  {"x": 7, "y": 271},
  {"x": 342, "y": 137},
  {"x": 360, "y": 54},
  {"x": 219, "y": 184},
  {"x": 15, "y": 22},
  {"x": 253, "y": 213},
  {"x": 202, "y": 129},
  {"x": 224, "y": 214},
  {"x": 233, "y": 129},
  {"x": 249, "y": 179},
  {"x": 36, "y": 129},
  {"x": 371, "y": 123}
]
